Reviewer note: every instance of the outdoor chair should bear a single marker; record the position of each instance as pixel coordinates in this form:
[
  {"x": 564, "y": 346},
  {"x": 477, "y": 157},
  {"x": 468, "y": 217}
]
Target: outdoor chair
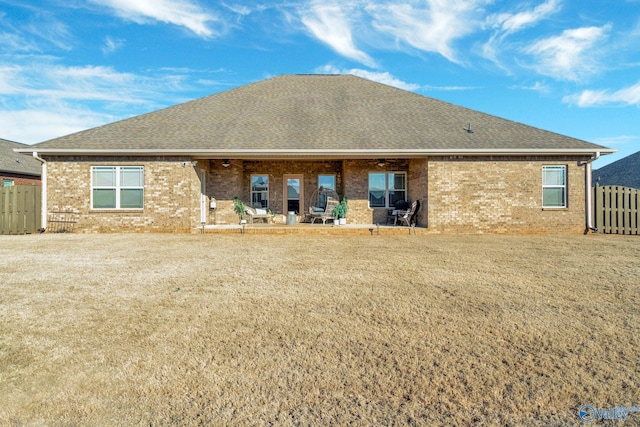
[
  {"x": 324, "y": 214},
  {"x": 409, "y": 217},
  {"x": 258, "y": 213},
  {"x": 399, "y": 206}
]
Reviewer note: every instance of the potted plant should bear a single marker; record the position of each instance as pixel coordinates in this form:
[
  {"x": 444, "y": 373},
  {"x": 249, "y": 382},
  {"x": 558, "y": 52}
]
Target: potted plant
[
  {"x": 337, "y": 213},
  {"x": 345, "y": 208},
  {"x": 273, "y": 215},
  {"x": 240, "y": 208}
]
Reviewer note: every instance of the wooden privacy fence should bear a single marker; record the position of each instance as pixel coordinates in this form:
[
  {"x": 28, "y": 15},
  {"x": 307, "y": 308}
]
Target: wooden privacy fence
[
  {"x": 616, "y": 209},
  {"x": 20, "y": 207}
]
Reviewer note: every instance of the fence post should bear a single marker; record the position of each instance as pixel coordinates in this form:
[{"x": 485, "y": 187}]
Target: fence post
[
  {"x": 633, "y": 207},
  {"x": 597, "y": 211}
]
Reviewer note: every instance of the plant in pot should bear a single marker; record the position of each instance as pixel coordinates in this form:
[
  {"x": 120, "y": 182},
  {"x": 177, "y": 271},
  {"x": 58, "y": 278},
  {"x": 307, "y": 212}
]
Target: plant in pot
[
  {"x": 240, "y": 208},
  {"x": 337, "y": 213},
  {"x": 273, "y": 215},
  {"x": 345, "y": 208}
]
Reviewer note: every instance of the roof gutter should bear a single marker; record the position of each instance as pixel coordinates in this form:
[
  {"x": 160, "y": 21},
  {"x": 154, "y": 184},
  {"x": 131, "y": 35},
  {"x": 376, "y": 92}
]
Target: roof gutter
[
  {"x": 320, "y": 153},
  {"x": 43, "y": 212},
  {"x": 588, "y": 204}
]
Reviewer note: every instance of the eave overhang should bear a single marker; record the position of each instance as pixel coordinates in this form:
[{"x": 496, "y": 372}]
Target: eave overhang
[{"x": 271, "y": 154}]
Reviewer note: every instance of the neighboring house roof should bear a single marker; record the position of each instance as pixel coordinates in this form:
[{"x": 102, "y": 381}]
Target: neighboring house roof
[
  {"x": 17, "y": 163},
  {"x": 315, "y": 116},
  {"x": 624, "y": 172}
]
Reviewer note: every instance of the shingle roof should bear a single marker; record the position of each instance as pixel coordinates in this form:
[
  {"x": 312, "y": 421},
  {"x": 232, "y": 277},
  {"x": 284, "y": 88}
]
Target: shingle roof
[
  {"x": 624, "y": 172},
  {"x": 17, "y": 163},
  {"x": 315, "y": 113}
]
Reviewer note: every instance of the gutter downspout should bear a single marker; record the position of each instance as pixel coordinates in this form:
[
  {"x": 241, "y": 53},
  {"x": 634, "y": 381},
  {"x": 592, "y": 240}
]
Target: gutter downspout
[
  {"x": 43, "y": 213},
  {"x": 587, "y": 193}
]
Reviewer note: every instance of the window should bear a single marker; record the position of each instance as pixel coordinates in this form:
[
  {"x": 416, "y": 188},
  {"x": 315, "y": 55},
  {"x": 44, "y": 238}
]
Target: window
[
  {"x": 117, "y": 187},
  {"x": 385, "y": 189},
  {"x": 327, "y": 181},
  {"x": 554, "y": 186},
  {"x": 260, "y": 191},
  {"x": 7, "y": 182}
]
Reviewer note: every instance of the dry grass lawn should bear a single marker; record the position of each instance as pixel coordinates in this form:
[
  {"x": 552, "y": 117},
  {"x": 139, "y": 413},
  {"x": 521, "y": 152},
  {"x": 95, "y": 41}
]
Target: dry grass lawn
[{"x": 327, "y": 330}]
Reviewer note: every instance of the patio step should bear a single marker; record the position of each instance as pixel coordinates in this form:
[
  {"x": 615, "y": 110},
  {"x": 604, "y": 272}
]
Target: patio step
[{"x": 313, "y": 229}]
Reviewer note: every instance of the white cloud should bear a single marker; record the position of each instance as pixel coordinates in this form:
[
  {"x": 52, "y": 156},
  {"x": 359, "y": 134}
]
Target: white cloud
[
  {"x": 538, "y": 87},
  {"x": 433, "y": 28},
  {"x": 513, "y": 22},
  {"x": 506, "y": 24},
  {"x": 182, "y": 13},
  {"x": 11, "y": 42},
  {"x": 36, "y": 125},
  {"x": 35, "y": 36},
  {"x": 89, "y": 83},
  {"x": 111, "y": 45},
  {"x": 616, "y": 141},
  {"x": 331, "y": 25},
  {"x": 43, "y": 100},
  {"x": 590, "y": 98},
  {"x": 450, "y": 88},
  {"x": 571, "y": 55},
  {"x": 380, "y": 77},
  {"x": 52, "y": 31},
  {"x": 238, "y": 9}
]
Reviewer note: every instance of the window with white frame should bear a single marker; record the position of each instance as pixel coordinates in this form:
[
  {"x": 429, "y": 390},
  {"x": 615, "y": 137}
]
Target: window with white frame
[
  {"x": 260, "y": 191},
  {"x": 554, "y": 186},
  {"x": 117, "y": 187},
  {"x": 386, "y": 188}
]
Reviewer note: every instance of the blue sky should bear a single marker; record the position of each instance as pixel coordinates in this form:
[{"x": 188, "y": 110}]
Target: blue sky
[{"x": 568, "y": 66}]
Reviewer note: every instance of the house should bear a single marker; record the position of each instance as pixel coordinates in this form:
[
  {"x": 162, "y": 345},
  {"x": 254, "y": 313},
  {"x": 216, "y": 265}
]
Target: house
[
  {"x": 624, "y": 172},
  {"x": 17, "y": 169},
  {"x": 376, "y": 144}
]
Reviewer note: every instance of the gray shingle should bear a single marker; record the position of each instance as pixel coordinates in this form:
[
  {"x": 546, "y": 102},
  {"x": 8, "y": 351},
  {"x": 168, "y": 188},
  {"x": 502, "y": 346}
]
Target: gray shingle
[
  {"x": 17, "y": 163},
  {"x": 315, "y": 112}
]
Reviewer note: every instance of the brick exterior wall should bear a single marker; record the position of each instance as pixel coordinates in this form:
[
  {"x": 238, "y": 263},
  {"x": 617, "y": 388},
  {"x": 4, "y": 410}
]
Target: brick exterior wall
[
  {"x": 457, "y": 195},
  {"x": 19, "y": 179},
  {"x": 171, "y": 195},
  {"x": 500, "y": 195}
]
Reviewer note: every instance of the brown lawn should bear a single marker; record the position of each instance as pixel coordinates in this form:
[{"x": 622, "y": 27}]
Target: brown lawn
[{"x": 327, "y": 330}]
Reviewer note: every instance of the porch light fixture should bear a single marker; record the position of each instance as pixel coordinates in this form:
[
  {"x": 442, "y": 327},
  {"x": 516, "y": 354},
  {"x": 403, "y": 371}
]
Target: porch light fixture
[
  {"x": 382, "y": 162},
  {"x": 226, "y": 163}
]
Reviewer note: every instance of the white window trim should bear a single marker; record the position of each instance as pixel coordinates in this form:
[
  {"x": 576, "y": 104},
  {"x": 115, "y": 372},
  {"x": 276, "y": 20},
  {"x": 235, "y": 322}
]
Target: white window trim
[
  {"x": 563, "y": 186},
  {"x": 117, "y": 187},
  {"x": 386, "y": 189}
]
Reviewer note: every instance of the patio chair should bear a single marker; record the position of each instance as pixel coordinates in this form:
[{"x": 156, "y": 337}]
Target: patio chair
[
  {"x": 409, "y": 217},
  {"x": 258, "y": 213},
  {"x": 399, "y": 206},
  {"x": 324, "y": 214}
]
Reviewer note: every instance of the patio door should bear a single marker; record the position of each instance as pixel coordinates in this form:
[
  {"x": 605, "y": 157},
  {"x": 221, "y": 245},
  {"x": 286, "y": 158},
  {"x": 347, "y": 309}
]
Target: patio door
[{"x": 294, "y": 194}]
